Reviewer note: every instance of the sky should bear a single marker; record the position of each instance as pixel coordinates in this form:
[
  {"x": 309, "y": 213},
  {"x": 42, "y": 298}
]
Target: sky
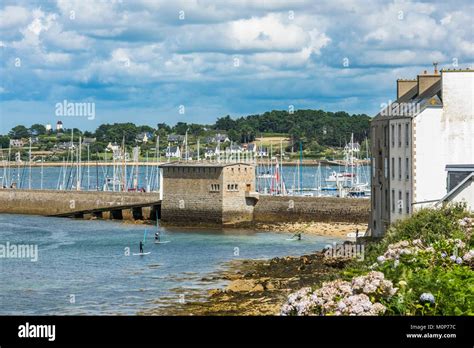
[{"x": 153, "y": 61}]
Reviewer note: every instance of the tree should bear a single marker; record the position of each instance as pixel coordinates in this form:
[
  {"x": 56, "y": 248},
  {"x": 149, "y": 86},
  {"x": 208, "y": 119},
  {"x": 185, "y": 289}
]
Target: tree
[
  {"x": 4, "y": 141},
  {"x": 37, "y": 129},
  {"x": 19, "y": 132},
  {"x": 163, "y": 127},
  {"x": 180, "y": 128},
  {"x": 225, "y": 123}
]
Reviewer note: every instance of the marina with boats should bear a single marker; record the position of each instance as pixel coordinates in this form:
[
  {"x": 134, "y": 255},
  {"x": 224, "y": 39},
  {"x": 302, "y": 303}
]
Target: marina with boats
[{"x": 124, "y": 172}]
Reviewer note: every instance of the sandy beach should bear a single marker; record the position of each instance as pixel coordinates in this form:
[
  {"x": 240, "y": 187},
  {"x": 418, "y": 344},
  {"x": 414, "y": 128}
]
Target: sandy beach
[{"x": 333, "y": 229}]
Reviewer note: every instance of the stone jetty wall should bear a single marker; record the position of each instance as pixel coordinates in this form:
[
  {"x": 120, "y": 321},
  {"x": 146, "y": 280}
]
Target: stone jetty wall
[
  {"x": 322, "y": 209},
  {"x": 52, "y": 202},
  {"x": 268, "y": 209}
]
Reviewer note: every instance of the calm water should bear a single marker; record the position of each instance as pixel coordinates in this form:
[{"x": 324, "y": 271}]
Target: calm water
[
  {"x": 56, "y": 177},
  {"x": 87, "y": 259}
]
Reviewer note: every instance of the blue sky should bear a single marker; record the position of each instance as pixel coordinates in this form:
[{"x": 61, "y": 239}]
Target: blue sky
[{"x": 140, "y": 60}]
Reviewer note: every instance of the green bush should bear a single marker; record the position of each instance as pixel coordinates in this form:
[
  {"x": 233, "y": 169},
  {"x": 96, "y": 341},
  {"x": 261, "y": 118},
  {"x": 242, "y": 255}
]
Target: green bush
[{"x": 439, "y": 241}]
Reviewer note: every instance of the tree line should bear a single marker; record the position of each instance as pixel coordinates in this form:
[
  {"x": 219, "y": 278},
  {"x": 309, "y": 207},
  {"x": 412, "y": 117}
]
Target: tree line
[{"x": 314, "y": 128}]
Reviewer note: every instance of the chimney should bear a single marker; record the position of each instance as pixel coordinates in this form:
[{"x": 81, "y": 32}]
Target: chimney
[
  {"x": 426, "y": 80},
  {"x": 403, "y": 86}
]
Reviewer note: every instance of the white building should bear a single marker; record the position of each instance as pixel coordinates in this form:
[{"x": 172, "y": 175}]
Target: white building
[
  {"x": 16, "y": 143},
  {"x": 173, "y": 152},
  {"x": 59, "y": 126},
  {"x": 430, "y": 126}
]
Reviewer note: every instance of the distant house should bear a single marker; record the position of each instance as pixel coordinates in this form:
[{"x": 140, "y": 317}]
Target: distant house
[
  {"x": 65, "y": 145},
  {"x": 89, "y": 141},
  {"x": 143, "y": 137},
  {"x": 235, "y": 148},
  {"x": 221, "y": 138},
  {"x": 352, "y": 146},
  {"x": 59, "y": 126},
  {"x": 48, "y": 127},
  {"x": 173, "y": 151},
  {"x": 175, "y": 138},
  {"x": 112, "y": 147},
  {"x": 262, "y": 152},
  {"x": 218, "y": 138},
  {"x": 16, "y": 143},
  {"x": 210, "y": 152},
  {"x": 251, "y": 148}
]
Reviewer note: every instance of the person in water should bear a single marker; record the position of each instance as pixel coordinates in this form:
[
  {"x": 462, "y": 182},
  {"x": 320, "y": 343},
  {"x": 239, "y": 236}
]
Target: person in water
[
  {"x": 157, "y": 236},
  {"x": 141, "y": 247},
  {"x": 298, "y": 236}
]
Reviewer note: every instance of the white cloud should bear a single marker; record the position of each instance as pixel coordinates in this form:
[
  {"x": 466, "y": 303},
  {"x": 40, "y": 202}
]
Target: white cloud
[
  {"x": 284, "y": 48},
  {"x": 13, "y": 16}
]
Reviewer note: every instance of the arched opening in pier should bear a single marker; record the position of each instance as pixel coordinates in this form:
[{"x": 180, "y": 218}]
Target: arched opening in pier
[
  {"x": 137, "y": 213},
  {"x": 117, "y": 214}
]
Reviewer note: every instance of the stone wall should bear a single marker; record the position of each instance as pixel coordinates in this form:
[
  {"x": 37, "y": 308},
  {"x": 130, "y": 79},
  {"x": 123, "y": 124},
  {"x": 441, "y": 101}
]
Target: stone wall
[
  {"x": 51, "y": 202},
  {"x": 188, "y": 195},
  {"x": 324, "y": 209},
  {"x": 236, "y": 207}
]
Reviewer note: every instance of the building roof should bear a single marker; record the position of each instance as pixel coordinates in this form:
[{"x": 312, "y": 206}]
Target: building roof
[
  {"x": 202, "y": 164},
  {"x": 172, "y": 148},
  {"x": 460, "y": 167},
  {"x": 430, "y": 97},
  {"x": 457, "y": 188}
]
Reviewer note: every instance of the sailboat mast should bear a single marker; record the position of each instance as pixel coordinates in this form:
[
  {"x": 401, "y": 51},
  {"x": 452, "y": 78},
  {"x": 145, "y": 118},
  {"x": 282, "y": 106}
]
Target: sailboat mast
[
  {"x": 29, "y": 162},
  {"x": 301, "y": 166},
  {"x": 88, "y": 169},
  {"x": 124, "y": 166}
]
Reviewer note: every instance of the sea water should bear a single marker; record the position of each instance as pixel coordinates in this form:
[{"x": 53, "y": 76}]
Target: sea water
[{"x": 88, "y": 267}]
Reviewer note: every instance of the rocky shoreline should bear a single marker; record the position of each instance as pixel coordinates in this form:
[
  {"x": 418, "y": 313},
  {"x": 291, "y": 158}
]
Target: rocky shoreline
[{"x": 255, "y": 287}]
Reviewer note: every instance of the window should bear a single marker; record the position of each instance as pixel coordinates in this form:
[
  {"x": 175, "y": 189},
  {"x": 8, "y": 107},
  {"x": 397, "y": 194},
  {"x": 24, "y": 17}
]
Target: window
[
  {"x": 393, "y": 135},
  {"x": 232, "y": 187},
  {"x": 399, "y": 135},
  {"x": 215, "y": 188},
  {"x": 407, "y": 168},
  {"x": 393, "y": 167},
  {"x": 373, "y": 197},
  {"x": 386, "y": 200},
  {"x": 400, "y": 202},
  {"x": 393, "y": 200},
  {"x": 385, "y": 167},
  {"x": 385, "y": 136},
  {"x": 373, "y": 167},
  {"x": 399, "y": 168},
  {"x": 407, "y": 202},
  {"x": 407, "y": 134}
]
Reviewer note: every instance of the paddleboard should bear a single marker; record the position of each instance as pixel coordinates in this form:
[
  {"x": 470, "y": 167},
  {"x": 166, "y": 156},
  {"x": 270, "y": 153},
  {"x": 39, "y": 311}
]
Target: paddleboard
[
  {"x": 353, "y": 234},
  {"x": 291, "y": 239},
  {"x": 163, "y": 242},
  {"x": 141, "y": 254}
]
